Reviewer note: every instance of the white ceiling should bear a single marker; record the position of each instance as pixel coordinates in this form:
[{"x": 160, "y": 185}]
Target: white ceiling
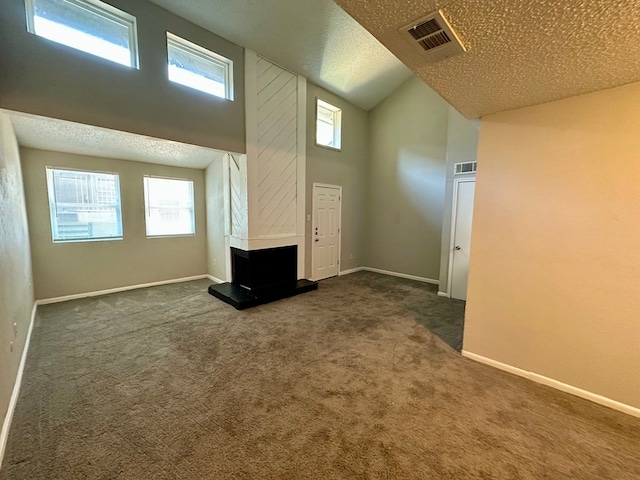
[
  {"x": 313, "y": 38},
  {"x": 519, "y": 52},
  {"x": 62, "y": 136}
]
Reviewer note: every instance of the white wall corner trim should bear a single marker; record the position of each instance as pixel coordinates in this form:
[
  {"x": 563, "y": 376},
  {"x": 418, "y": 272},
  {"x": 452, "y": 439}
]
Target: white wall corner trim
[
  {"x": 215, "y": 279},
  {"x": 352, "y": 270},
  {"x": 6, "y": 425},
  {"x": 444, "y": 294},
  {"x": 550, "y": 382},
  {"x": 403, "y": 275},
  {"x": 47, "y": 301},
  {"x": 301, "y": 170}
]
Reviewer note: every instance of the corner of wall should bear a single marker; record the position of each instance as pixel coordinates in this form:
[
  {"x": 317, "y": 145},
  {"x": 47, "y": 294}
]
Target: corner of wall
[{"x": 17, "y": 299}]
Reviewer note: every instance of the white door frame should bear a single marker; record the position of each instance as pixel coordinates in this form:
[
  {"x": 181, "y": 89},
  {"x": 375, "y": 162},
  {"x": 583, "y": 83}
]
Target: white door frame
[
  {"x": 454, "y": 213},
  {"x": 313, "y": 221}
]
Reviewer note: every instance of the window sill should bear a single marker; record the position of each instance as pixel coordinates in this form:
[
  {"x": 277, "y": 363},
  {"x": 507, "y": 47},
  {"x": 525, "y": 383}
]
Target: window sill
[
  {"x": 169, "y": 235},
  {"x": 88, "y": 240},
  {"x": 328, "y": 147}
]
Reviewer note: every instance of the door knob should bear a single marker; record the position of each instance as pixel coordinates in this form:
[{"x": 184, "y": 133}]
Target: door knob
[{"x": 457, "y": 247}]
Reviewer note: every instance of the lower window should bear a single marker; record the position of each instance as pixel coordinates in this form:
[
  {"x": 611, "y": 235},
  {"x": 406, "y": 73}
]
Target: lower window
[
  {"x": 84, "y": 205},
  {"x": 168, "y": 204}
]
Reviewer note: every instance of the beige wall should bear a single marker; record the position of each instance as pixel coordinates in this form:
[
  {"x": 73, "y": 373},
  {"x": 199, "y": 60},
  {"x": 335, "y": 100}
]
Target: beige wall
[
  {"x": 216, "y": 252},
  {"x": 16, "y": 281},
  {"x": 77, "y": 267},
  {"x": 49, "y": 79},
  {"x": 406, "y": 181},
  {"x": 346, "y": 168},
  {"x": 462, "y": 146},
  {"x": 554, "y": 284}
]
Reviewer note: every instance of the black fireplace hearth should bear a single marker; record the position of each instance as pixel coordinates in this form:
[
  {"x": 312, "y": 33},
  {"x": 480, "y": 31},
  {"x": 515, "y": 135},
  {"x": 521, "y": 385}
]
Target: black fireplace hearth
[{"x": 262, "y": 276}]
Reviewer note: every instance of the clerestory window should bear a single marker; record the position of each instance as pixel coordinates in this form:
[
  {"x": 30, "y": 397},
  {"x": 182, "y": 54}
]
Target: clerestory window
[
  {"x": 87, "y": 25},
  {"x": 196, "y": 67}
]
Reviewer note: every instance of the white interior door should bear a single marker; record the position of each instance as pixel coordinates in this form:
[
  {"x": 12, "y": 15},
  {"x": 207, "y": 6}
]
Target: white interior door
[
  {"x": 326, "y": 231},
  {"x": 462, "y": 218}
]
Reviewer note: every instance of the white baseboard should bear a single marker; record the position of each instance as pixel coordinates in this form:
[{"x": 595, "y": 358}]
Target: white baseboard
[
  {"x": 402, "y": 275},
  {"x": 214, "y": 279},
  {"x": 550, "y": 382},
  {"x": 444, "y": 294},
  {"x": 118, "y": 289},
  {"x": 352, "y": 270},
  {"x": 6, "y": 425},
  {"x": 394, "y": 274}
]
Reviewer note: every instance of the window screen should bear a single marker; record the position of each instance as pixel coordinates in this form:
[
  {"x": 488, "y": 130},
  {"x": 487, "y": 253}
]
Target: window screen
[
  {"x": 88, "y": 25},
  {"x": 199, "y": 68},
  {"x": 84, "y": 205}
]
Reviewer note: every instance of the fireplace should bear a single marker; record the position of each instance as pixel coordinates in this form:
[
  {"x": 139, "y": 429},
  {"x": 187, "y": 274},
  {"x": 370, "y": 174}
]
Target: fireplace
[
  {"x": 261, "y": 276},
  {"x": 262, "y": 271}
]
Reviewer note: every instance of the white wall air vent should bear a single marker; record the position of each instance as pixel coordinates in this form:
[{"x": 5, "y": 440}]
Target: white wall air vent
[
  {"x": 465, "y": 167},
  {"x": 433, "y": 36}
]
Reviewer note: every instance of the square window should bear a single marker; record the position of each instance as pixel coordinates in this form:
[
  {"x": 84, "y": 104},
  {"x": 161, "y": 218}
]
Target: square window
[
  {"x": 328, "y": 125},
  {"x": 88, "y": 25},
  {"x": 84, "y": 205},
  {"x": 168, "y": 205},
  {"x": 196, "y": 67}
]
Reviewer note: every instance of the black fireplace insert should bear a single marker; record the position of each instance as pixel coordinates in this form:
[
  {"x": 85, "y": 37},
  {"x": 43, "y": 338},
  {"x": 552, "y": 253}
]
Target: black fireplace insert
[{"x": 262, "y": 276}]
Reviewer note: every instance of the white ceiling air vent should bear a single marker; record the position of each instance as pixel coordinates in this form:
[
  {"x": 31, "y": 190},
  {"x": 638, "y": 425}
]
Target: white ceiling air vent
[
  {"x": 433, "y": 36},
  {"x": 465, "y": 167}
]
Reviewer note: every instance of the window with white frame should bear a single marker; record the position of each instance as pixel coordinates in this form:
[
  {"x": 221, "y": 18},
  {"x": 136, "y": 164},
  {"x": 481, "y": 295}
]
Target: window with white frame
[
  {"x": 196, "y": 67},
  {"x": 88, "y": 25},
  {"x": 328, "y": 125},
  {"x": 84, "y": 205},
  {"x": 169, "y": 206}
]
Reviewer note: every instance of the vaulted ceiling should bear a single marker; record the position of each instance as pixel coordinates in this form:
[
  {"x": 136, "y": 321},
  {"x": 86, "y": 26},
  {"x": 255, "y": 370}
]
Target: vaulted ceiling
[
  {"x": 519, "y": 52},
  {"x": 313, "y": 38}
]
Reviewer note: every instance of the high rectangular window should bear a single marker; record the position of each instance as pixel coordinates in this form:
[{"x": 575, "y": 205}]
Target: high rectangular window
[
  {"x": 169, "y": 206},
  {"x": 84, "y": 205},
  {"x": 199, "y": 68},
  {"x": 88, "y": 25},
  {"x": 328, "y": 125}
]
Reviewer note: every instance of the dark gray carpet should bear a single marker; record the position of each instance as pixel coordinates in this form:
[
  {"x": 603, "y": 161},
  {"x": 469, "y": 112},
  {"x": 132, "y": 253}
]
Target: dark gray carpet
[{"x": 344, "y": 383}]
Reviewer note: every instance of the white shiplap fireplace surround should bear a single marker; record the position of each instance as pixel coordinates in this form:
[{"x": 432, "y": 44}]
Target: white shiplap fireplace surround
[{"x": 265, "y": 188}]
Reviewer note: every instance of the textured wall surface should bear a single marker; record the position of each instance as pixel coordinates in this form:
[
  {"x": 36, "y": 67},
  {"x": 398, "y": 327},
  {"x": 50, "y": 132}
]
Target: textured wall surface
[
  {"x": 16, "y": 281},
  {"x": 346, "y": 168},
  {"x": 49, "y": 79},
  {"x": 554, "y": 285},
  {"x": 77, "y": 267},
  {"x": 406, "y": 181},
  {"x": 518, "y": 52}
]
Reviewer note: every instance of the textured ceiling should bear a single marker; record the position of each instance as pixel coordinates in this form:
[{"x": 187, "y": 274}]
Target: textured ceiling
[
  {"x": 519, "y": 52},
  {"x": 313, "y": 38},
  {"x": 62, "y": 136}
]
